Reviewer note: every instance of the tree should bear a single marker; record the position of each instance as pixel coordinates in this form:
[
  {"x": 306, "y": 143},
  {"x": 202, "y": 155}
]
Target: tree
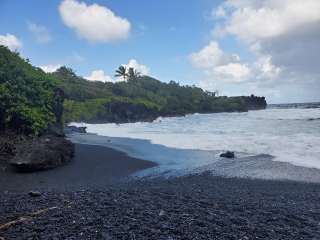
[
  {"x": 121, "y": 72},
  {"x": 65, "y": 71},
  {"x": 133, "y": 74},
  {"x": 26, "y": 95}
]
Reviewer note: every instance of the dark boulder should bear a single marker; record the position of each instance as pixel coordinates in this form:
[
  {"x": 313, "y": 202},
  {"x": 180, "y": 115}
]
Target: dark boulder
[
  {"x": 34, "y": 194},
  {"x": 8, "y": 143},
  {"x": 227, "y": 154},
  {"x": 42, "y": 153},
  {"x": 7, "y": 148}
]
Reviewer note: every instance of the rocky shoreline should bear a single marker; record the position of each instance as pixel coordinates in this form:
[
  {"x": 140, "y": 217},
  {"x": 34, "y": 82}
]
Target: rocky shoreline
[
  {"x": 190, "y": 207},
  {"x": 34, "y": 153}
]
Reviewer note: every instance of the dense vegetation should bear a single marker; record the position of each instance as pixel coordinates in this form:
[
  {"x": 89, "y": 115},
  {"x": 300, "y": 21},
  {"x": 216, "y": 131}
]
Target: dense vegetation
[
  {"x": 30, "y": 101},
  {"x": 140, "y": 98},
  {"x": 34, "y": 102}
]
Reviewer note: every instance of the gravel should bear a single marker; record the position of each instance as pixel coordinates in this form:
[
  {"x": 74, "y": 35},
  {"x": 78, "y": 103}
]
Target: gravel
[{"x": 190, "y": 207}]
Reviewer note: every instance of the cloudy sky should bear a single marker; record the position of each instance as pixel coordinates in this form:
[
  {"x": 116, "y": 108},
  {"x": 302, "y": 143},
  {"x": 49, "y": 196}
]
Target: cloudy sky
[{"x": 238, "y": 47}]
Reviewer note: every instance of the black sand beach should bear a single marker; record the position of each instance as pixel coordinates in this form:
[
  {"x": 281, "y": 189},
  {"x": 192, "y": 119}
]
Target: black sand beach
[
  {"x": 192, "y": 207},
  {"x": 92, "y": 166},
  {"x": 87, "y": 199}
]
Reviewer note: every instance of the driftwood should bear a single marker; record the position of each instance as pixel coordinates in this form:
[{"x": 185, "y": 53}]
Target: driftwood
[{"x": 24, "y": 218}]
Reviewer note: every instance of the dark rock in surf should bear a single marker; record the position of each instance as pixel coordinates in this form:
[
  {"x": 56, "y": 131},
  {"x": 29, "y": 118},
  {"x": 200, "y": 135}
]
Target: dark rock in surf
[
  {"x": 34, "y": 194},
  {"x": 42, "y": 153},
  {"x": 313, "y": 119},
  {"x": 227, "y": 154}
]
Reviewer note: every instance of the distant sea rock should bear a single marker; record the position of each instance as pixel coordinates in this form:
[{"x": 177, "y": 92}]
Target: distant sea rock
[{"x": 42, "y": 153}]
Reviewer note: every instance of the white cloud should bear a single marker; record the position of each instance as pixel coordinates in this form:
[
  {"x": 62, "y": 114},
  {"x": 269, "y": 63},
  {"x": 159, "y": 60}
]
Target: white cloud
[
  {"x": 11, "y": 41},
  {"x": 219, "y": 65},
  {"x": 286, "y": 31},
  {"x": 99, "y": 75},
  {"x": 209, "y": 56},
  {"x": 266, "y": 69},
  {"x": 255, "y": 20},
  {"x": 219, "y": 12},
  {"x": 40, "y": 32},
  {"x": 282, "y": 39},
  {"x": 133, "y": 63},
  {"x": 50, "y": 68},
  {"x": 94, "y": 22},
  {"x": 233, "y": 72}
]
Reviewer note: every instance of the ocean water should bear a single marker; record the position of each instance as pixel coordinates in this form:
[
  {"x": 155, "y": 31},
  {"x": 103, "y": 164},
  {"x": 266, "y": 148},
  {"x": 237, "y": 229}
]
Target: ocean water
[{"x": 284, "y": 133}]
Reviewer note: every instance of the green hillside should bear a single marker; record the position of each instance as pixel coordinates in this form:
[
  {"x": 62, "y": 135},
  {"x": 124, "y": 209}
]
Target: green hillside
[
  {"x": 140, "y": 98},
  {"x": 34, "y": 102}
]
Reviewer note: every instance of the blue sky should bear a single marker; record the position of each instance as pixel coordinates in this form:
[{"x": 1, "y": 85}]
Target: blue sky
[
  {"x": 192, "y": 42},
  {"x": 162, "y": 35}
]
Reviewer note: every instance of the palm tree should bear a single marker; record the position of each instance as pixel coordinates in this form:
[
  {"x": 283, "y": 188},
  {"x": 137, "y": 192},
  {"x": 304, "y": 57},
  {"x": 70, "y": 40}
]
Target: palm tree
[
  {"x": 121, "y": 72},
  {"x": 137, "y": 73},
  {"x": 133, "y": 74}
]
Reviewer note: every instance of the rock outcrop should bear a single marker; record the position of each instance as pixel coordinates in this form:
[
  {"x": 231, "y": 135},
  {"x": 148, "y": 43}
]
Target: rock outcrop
[
  {"x": 252, "y": 102},
  {"x": 227, "y": 154},
  {"x": 74, "y": 129},
  {"x": 8, "y": 143},
  {"x": 255, "y": 102},
  {"x": 42, "y": 153}
]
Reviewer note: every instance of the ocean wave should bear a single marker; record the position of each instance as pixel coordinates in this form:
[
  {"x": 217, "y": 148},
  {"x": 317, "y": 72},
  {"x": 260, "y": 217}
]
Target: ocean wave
[{"x": 255, "y": 132}]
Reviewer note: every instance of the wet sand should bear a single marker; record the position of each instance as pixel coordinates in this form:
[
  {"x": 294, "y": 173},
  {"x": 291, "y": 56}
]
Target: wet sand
[
  {"x": 93, "y": 166},
  {"x": 178, "y": 162}
]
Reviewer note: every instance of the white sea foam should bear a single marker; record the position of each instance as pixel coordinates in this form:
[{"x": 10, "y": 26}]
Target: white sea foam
[{"x": 290, "y": 135}]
